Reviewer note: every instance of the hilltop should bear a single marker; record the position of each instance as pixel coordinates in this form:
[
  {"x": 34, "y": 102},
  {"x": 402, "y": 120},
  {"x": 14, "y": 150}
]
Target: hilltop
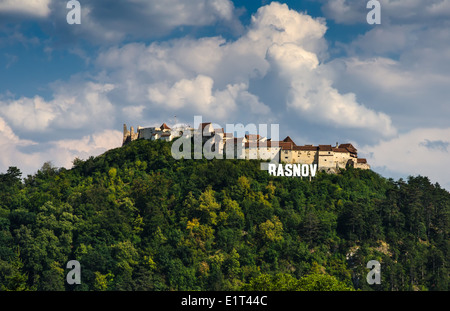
[{"x": 137, "y": 219}]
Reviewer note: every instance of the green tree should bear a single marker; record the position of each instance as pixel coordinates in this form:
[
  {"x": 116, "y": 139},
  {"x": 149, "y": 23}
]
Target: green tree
[
  {"x": 53, "y": 279},
  {"x": 272, "y": 229},
  {"x": 12, "y": 275}
]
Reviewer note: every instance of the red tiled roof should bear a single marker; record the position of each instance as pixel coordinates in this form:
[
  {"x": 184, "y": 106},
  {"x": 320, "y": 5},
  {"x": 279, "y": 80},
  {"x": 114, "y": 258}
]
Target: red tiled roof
[
  {"x": 361, "y": 160},
  {"x": 164, "y": 127}
]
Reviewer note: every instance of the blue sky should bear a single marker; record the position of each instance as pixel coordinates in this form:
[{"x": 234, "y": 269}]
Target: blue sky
[{"x": 314, "y": 66}]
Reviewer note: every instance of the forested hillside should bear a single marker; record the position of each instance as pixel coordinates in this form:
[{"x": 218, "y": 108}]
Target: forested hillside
[{"x": 136, "y": 219}]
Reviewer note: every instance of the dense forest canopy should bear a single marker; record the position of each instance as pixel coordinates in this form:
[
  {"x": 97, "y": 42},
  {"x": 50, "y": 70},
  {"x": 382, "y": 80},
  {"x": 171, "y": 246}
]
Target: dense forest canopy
[{"x": 136, "y": 219}]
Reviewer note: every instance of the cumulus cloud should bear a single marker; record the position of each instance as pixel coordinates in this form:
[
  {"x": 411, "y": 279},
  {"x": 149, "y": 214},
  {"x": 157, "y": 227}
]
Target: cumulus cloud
[
  {"x": 411, "y": 89},
  {"x": 197, "y": 96},
  {"x": 74, "y": 106},
  {"x": 441, "y": 8},
  {"x": 32, "y": 114},
  {"x": 313, "y": 96},
  {"x": 16, "y": 151},
  {"x": 34, "y": 8},
  {"x": 214, "y": 77},
  {"x": 8, "y": 136},
  {"x": 436, "y": 144},
  {"x": 276, "y": 23},
  {"x": 393, "y": 11},
  {"x": 104, "y": 21},
  {"x": 11, "y": 156},
  {"x": 345, "y": 11},
  {"x": 422, "y": 151},
  {"x": 133, "y": 112},
  {"x": 89, "y": 145},
  {"x": 380, "y": 73},
  {"x": 400, "y": 67}
]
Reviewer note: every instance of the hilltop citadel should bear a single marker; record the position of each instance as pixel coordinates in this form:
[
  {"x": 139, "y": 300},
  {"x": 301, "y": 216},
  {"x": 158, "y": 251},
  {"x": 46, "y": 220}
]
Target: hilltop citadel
[{"x": 252, "y": 146}]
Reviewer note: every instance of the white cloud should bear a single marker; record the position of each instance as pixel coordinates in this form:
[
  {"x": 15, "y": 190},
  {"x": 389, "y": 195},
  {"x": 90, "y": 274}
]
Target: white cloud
[
  {"x": 8, "y": 135},
  {"x": 105, "y": 21},
  {"x": 412, "y": 90},
  {"x": 385, "y": 39},
  {"x": 402, "y": 67},
  {"x": 38, "y": 8},
  {"x": 197, "y": 95},
  {"x": 89, "y": 145},
  {"x": 83, "y": 105},
  {"x": 276, "y": 23},
  {"x": 383, "y": 74},
  {"x": 345, "y": 11},
  {"x": 31, "y": 114},
  {"x": 75, "y": 106},
  {"x": 322, "y": 103},
  {"x": 133, "y": 112},
  {"x": 311, "y": 93},
  {"x": 422, "y": 151},
  {"x": 213, "y": 77},
  {"x": 196, "y": 92},
  {"x": 226, "y": 62},
  {"x": 15, "y": 151},
  {"x": 439, "y": 8},
  {"x": 392, "y": 11}
]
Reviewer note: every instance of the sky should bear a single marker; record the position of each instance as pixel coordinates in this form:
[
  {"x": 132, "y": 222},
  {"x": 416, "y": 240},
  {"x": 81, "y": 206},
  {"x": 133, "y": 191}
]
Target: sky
[{"x": 315, "y": 67}]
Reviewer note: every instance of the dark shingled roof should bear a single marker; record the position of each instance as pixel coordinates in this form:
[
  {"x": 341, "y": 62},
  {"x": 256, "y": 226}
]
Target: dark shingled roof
[
  {"x": 286, "y": 145},
  {"x": 343, "y": 150},
  {"x": 325, "y": 148},
  {"x": 288, "y": 139},
  {"x": 267, "y": 144},
  {"x": 349, "y": 147},
  {"x": 202, "y": 125},
  {"x": 306, "y": 148}
]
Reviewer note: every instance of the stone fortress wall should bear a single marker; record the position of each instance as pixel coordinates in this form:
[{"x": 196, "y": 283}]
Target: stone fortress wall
[{"x": 328, "y": 158}]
